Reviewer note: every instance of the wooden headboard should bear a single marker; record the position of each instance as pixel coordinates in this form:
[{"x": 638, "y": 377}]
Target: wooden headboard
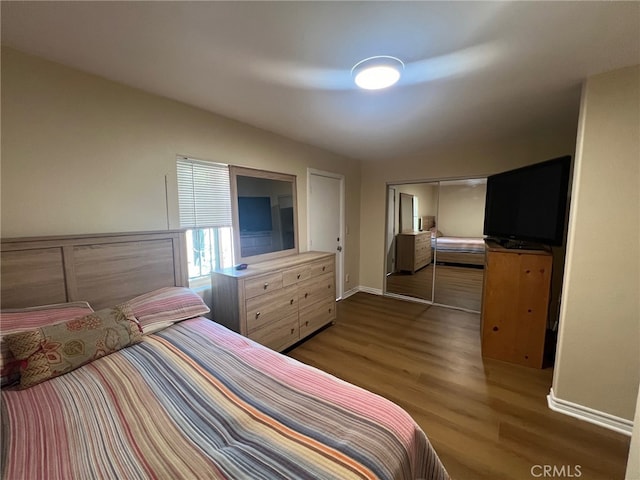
[{"x": 103, "y": 270}]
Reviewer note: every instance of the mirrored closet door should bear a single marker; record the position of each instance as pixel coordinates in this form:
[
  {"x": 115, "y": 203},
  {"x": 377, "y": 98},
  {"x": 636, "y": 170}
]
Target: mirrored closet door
[
  {"x": 411, "y": 213},
  {"x": 459, "y": 244},
  {"x": 435, "y": 247}
]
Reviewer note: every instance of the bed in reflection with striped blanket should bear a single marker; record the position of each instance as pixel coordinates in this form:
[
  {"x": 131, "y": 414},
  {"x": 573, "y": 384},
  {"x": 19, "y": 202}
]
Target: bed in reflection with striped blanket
[
  {"x": 458, "y": 250},
  {"x": 195, "y": 400}
]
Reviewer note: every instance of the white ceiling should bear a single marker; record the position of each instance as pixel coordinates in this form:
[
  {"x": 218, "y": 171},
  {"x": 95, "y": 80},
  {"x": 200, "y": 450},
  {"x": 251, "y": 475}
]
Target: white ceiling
[{"x": 474, "y": 70}]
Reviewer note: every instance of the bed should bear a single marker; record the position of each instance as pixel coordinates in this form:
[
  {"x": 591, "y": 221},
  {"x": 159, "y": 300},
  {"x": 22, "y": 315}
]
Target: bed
[
  {"x": 463, "y": 251},
  {"x": 458, "y": 250},
  {"x": 184, "y": 398}
]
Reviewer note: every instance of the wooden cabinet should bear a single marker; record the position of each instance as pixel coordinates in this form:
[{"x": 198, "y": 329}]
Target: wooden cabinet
[
  {"x": 515, "y": 304},
  {"x": 413, "y": 251},
  {"x": 278, "y": 302}
]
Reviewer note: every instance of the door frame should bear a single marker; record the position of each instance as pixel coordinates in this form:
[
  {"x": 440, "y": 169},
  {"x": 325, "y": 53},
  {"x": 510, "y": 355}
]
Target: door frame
[
  {"x": 339, "y": 258},
  {"x": 390, "y": 267}
]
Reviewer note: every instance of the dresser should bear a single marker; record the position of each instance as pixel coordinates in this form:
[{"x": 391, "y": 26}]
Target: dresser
[
  {"x": 515, "y": 304},
  {"x": 413, "y": 251},
  {"x": 277, "y": 302}
]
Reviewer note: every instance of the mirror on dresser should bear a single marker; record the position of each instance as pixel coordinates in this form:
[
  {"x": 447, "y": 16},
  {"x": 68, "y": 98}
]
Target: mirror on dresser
[
  {"x": 281, "y": 296},
  {"x": 264, "y": 209}
]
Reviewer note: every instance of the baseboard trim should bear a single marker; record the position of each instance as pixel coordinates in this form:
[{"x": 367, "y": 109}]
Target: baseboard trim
[
  {"x": 617, "y": 424},
  {"x": 408, "y": 299},
  {"x": 348, "y": 293},
  {"x": 374, "y": 291}
]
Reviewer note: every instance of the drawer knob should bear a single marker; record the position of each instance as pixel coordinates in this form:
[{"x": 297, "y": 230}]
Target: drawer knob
[
  {"x": 266, "y": 284},
  {"x": 324, "y": 268},
  {"x": 291, "y": 302},
  {"x": 292, "y": 330},
  {"x": 306, "y": 295},
  {"x": 306, "y": 324},
  {"x": 329, "y": 286},
  {"x": 257, "y": 314},
  {"x": 298, "y": 276},
  {"x": 329, "y": 310}
]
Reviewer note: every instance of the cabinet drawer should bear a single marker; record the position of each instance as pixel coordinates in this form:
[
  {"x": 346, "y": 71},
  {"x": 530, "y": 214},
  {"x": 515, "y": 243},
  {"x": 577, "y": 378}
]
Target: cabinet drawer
[
  {"x": 262, "y": 284},
  {"x": 317, "y": 289},
  {"x": 423, "y": 247},
  {"x": 324, "y": 266},
  {"x": 423, "y": 253},
  {"x": 316, "y": 316},
  {"x": 422, "y": 240},
  {"x": 264, "y": 309},
  {"x": 278, "y": 335},
  {"x": 294, "y": 275}
]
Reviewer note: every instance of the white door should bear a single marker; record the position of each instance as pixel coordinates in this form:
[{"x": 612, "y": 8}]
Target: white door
[{"x": 326, "y": 218}]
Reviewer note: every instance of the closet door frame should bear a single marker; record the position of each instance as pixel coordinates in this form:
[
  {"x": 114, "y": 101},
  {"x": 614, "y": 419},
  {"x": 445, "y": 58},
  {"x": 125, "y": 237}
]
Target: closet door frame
[{"x": 396, "y": 186}]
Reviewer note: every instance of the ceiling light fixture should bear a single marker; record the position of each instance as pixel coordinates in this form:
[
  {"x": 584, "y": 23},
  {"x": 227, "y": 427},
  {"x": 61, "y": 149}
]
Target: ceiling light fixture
[{"x": 375, "y": 73}]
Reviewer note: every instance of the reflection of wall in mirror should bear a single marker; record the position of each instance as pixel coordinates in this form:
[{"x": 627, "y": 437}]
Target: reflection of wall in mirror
[
  {"x": 285, "y": 205},
  {"x": 461, "y": 209}
]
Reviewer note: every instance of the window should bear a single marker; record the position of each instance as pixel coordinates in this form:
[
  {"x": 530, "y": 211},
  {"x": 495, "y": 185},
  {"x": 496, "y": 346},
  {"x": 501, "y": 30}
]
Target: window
[
  {"x": 208, "y": 249},
  {"x": 416, "y": 218},
  {"x": 204, "y": 200}
]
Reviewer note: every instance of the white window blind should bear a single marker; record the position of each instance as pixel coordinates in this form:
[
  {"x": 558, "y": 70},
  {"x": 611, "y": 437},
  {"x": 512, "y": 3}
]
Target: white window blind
[{"x": 203, "y": 194}]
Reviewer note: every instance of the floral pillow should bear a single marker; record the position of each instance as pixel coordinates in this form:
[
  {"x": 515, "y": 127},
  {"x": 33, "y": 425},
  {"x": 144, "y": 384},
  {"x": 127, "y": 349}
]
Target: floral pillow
[
  {"x": 53, "y": 350},
  {"x": 19, "y": 320}
]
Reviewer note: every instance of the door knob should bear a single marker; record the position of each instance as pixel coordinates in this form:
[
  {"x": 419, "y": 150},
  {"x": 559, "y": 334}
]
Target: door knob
[{"x": 339, "y": 248}]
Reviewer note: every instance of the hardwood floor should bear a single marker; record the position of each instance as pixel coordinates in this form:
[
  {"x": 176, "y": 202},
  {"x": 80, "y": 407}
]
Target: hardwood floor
[
  {"x": 417, "y": 285},
  {"x": 455, "y": 286},
  {"x": 486, "y": 419},
  {"x": 459, "y": 286}
]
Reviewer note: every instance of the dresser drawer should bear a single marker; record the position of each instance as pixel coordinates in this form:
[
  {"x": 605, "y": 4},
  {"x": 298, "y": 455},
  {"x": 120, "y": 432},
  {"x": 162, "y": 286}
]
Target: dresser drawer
[
  {"x": 423, "y": 254},
  {"x": 262, "y": 284},
  {"x": 423, "y": 247},
  {"x": 421, "y": 240},
  {"x": 295, "y": 275},
  {"x": 315, "y": 316},
  {"x": 317, "y": 289},
  {"x": 264, "y": 309},
  {"x": 278, "y": 335},
  {"x": 324, "y": 266}
]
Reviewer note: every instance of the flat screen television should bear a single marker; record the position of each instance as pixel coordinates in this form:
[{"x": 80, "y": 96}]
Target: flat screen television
[
  {"x": 254, "y": 214},
  {"x": 528, "y": 205}
]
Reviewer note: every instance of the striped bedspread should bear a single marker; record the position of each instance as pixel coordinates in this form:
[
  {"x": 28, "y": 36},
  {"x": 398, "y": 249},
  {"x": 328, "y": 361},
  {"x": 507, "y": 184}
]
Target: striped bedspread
[
  {"x": 458, "y": 244},
  {"x": 197, "y": 401}
]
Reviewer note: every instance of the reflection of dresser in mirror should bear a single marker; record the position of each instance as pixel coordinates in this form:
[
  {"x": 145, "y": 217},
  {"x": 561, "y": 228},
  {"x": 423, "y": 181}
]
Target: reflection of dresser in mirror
[{"x": 413, "y": 251}]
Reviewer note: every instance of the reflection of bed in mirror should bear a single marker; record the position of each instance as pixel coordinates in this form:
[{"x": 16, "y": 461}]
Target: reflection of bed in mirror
[
  {"x": 452, "y": 250},
  {"x": 459, "y": 250}
]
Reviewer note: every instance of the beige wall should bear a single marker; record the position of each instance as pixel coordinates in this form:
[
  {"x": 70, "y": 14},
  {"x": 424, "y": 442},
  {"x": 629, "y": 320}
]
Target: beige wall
[
  {"x": 461, "y": 209},
  {"x": 598, "y": 362},
  {"x": 81, "y": 154},
  {"x": 456, "y": 161}
]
